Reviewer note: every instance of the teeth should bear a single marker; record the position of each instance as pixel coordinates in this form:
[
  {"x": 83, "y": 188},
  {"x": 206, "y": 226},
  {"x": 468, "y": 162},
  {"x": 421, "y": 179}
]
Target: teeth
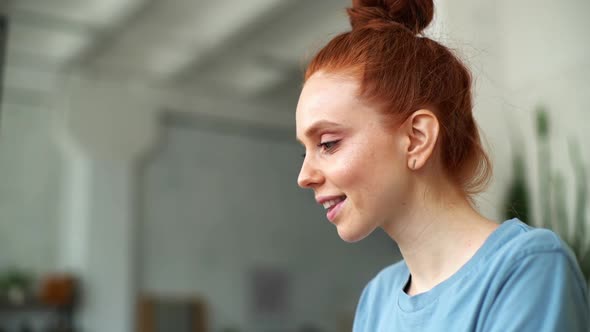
[{"x": 331, "y": 203}]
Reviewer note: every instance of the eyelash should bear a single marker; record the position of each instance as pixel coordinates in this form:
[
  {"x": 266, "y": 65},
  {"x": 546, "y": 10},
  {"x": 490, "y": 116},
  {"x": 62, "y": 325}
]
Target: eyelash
[{"x": 326, "y": 146}]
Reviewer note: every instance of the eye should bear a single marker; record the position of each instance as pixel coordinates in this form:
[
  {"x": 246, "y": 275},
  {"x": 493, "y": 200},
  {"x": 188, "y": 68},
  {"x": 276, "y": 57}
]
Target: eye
[{"x": 328, "y": 146}]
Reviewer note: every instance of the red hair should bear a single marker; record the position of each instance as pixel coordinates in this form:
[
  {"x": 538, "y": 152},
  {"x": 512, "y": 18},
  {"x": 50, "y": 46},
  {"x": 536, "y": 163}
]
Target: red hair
[{"x": 403, "y": 71}]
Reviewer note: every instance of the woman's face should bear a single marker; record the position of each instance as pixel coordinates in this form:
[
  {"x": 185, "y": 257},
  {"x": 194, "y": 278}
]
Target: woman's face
[{"x": 354, "y": 163}]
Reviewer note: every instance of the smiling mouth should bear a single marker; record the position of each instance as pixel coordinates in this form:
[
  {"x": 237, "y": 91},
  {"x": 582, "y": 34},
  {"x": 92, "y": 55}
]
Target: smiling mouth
[{"x": 329, "y": 205}]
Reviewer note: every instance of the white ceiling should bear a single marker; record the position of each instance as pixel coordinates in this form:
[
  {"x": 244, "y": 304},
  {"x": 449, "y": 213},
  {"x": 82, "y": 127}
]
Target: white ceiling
[{"x": 254, "y": 49}]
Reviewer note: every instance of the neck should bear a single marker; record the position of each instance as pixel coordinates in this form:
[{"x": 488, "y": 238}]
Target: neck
[{"x": 440, "y": 232}]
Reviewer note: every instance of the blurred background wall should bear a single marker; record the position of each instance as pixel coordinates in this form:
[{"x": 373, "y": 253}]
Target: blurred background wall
[{"x": 148, "y": 147}]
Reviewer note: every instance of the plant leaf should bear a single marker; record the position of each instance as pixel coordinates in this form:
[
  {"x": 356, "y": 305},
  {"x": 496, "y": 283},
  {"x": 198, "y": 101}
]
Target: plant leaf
[
  {"x": 559, "y": 206},
  {"x": 581, "y": 199}
]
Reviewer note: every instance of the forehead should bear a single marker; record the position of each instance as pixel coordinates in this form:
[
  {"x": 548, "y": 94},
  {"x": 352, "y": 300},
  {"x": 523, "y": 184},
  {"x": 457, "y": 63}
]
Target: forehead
[{"x": 327, "y": 97}]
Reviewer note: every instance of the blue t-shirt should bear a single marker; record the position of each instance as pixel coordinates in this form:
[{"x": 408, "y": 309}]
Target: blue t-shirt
[{"x": 522, "y": 279}]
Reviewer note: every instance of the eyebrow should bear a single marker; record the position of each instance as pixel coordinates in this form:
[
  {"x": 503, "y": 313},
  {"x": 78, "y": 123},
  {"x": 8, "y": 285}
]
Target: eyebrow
[{"x": 313, "y": 129}]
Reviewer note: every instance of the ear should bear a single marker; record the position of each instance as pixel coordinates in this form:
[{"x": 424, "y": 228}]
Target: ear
[{"x": 422, "y": 130}]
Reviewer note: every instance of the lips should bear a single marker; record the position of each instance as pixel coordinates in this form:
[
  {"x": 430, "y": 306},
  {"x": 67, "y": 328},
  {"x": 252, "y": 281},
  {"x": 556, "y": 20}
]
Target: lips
[
  {"x": 332, "y": 204},
  {"x": 335, "y": 209}
]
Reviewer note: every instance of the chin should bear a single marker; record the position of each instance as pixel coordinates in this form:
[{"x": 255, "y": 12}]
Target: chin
[{"x": 352, "y": 235}]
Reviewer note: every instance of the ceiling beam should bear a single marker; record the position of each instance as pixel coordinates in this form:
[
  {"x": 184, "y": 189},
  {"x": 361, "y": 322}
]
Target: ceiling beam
[
  {"x": 300, "y": 21},
  {"x": 106, "y": 36},
  {"x": 48, "y": 21},
  {"x": 259, "y": 24}
]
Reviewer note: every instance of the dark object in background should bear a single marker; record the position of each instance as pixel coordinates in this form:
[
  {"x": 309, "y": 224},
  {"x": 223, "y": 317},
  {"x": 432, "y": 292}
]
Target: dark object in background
[
  {"x": 309, "y": 328},
  {"x": 269, "y": 293},
  {"x": 172, "y": 313},
  {"x": 25, "y": 327},
  {"x": 59, "y": 290}
]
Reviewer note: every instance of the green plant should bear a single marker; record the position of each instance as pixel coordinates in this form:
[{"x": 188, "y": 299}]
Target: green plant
[
  {"x": 517, "y": 199},
  {"x": 544, "y": 167},
  {"x": 14, "y": 279},
  {"x": 579, "y": 237},
  {"x": 553, "y": 194}
]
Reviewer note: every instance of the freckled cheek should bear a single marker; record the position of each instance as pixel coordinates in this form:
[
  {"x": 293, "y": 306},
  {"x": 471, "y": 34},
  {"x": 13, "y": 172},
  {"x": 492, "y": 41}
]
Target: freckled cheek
[
  {"x": 356, "y": 179},
  {"x": 352, "y": 171}
]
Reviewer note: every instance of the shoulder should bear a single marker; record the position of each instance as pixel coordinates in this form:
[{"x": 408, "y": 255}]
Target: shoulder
[
  {"x": 536, "y": 274},
  {"x": 532, "y": 251},
  {"x": 524, "y": 241}
]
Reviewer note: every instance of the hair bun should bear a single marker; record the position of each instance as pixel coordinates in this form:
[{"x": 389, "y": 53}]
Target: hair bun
[{"x": 415, "y": 15}]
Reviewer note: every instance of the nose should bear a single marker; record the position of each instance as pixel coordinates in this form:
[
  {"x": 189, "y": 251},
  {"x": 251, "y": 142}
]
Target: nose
[{"x": 309, "y": 176}]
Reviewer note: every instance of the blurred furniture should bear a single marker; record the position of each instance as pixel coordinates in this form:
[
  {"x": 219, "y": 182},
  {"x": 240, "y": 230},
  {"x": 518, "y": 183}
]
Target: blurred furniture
[
  {"x": 168, "y": 313},
  {"x": 36, "y": 313},
  {"x": 50, "y": 309}
]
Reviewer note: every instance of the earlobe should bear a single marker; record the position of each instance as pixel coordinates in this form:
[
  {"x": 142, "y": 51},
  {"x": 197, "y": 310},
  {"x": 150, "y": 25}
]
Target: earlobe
[{"x": 423, "y": 134}]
